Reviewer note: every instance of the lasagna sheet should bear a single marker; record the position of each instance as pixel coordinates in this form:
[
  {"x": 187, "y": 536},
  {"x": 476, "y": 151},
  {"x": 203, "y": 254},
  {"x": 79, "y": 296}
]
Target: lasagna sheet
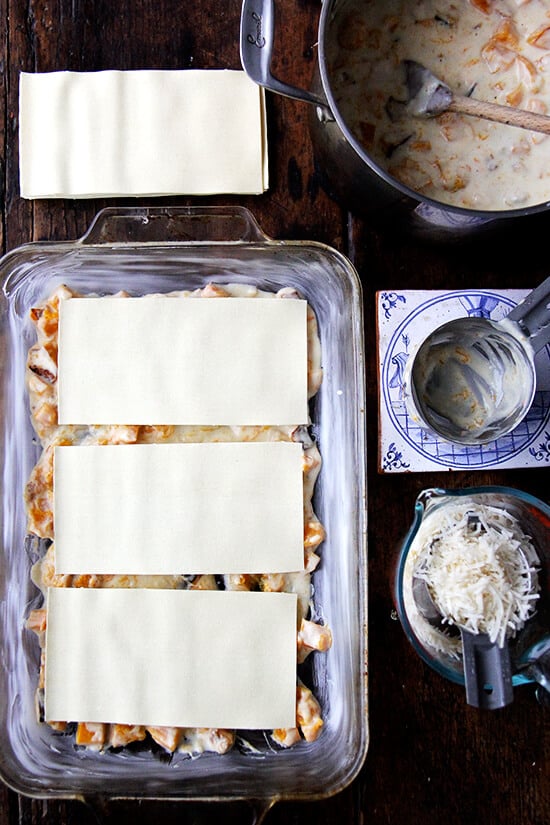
[
  {"x": 146, "y": 132},
  {"x": 179, "y": 508},
  {"x": 204, "y": 362},
  {"x": 171, "y": 657}
]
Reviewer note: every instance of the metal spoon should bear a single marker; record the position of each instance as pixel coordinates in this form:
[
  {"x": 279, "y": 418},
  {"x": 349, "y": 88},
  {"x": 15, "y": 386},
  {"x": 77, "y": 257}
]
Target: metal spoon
[
  {"x": 487, "y": 667},
  {"x": 429, "y": 96},
  {"x": 473, "y": 379}
]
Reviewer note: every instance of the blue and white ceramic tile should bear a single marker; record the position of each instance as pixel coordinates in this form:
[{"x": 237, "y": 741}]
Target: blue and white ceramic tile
[{"x": 404, "y": 320}]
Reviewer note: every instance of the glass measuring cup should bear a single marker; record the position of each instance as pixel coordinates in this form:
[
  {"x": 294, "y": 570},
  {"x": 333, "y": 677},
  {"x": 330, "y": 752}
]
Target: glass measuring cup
[
  {"x": 441, "y": 651},
  {"x": 472, "y": 380}
]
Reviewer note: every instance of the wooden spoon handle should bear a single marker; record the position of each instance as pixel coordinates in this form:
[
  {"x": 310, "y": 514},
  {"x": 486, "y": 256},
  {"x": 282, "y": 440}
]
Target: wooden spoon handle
[{"x": 500, "y": 114}]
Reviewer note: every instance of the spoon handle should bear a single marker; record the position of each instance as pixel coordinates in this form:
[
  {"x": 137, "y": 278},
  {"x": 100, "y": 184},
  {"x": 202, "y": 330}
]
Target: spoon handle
[
  {"x": 501, "y": 114},
  {"x": 487, "y": 672}
]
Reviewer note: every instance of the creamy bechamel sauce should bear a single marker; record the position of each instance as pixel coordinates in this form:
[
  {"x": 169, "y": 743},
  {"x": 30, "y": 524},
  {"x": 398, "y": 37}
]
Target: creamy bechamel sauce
[{"x": 493, "y": 50}]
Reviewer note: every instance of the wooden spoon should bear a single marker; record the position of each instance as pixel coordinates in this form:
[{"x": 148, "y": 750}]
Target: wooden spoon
[{"x": 429, "y": 97}]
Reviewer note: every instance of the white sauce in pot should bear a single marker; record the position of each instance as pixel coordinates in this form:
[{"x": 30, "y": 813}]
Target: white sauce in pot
[{"x": 493, "y": 50}]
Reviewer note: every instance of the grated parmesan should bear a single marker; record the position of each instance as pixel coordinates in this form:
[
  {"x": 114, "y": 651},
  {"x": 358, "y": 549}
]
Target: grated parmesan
[{"x": 480, "y": 568}]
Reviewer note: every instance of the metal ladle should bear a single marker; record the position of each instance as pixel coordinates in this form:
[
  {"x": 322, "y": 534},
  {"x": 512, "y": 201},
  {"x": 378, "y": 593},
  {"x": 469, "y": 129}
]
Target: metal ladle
[{"x": 473, "y": 379}]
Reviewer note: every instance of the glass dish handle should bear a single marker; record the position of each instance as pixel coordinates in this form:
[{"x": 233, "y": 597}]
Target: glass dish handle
[{"x": 174, "y": 224}]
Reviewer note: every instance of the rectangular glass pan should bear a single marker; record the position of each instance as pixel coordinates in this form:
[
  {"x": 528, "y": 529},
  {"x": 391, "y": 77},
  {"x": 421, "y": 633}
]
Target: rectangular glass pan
[{"x": 145, "y": 250}]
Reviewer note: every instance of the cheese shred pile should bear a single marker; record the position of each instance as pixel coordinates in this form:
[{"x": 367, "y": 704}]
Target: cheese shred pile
[{"x": 481, "y": 570}]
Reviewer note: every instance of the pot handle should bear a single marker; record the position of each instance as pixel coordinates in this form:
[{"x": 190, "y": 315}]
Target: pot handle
[{"x": 257, "y": 36}]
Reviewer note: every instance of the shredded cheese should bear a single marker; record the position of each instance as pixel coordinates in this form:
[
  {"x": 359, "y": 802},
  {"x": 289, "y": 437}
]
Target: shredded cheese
[{"x": 481, "y": 570}]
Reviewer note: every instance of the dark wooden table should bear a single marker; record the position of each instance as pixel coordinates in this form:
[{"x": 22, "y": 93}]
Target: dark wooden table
[{"x": 431, "y": 758}]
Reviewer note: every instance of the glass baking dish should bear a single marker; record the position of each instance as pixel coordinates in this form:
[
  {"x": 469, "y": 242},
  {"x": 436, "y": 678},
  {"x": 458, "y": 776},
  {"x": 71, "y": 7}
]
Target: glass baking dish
[{"x": 146, "y": 250}]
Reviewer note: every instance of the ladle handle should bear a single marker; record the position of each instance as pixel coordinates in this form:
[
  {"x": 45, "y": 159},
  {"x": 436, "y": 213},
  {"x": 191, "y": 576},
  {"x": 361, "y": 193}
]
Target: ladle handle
[
  {"x": 487, "y": 672},
  {"x": 533, "y": 315}
]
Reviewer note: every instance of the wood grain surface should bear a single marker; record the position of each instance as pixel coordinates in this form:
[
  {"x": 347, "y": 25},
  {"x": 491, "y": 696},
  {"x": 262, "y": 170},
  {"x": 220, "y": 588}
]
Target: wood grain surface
[{"x": 432, "y": 759}]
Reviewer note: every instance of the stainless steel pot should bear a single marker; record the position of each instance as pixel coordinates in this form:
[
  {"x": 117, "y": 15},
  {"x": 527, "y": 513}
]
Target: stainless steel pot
[{"x": 352, "y": 176}]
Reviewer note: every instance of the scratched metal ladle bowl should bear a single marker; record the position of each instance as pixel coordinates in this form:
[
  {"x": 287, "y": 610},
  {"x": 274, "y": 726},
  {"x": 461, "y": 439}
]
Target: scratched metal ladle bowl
[{"x": 473, "y": 379}]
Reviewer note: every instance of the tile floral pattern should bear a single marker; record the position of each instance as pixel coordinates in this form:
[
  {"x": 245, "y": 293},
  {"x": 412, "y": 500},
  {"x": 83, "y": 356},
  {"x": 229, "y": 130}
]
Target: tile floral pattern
[{"x": 404, "y": 319}]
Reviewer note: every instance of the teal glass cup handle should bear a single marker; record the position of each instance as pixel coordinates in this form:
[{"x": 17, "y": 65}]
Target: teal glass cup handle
[{"x": 534, "y": 638}]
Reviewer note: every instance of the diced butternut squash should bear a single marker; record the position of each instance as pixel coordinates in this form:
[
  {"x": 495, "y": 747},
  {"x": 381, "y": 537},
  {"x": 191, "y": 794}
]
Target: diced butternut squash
[
  {"x": 286, "y": 737},
  {"x": 168, "y": 738},
  {"x": 91, "y": 734},
  {"x": 308, "y": 713},
  {"x": 37, "y": 620},
  {"x": 122, "y": 735}
]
